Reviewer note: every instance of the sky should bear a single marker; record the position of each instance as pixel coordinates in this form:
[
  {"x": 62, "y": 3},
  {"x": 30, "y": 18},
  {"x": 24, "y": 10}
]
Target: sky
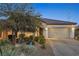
[{"x": 58, "y": 11}]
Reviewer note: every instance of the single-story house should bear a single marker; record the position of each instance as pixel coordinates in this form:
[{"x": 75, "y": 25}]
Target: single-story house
[
  {"x": 57, "y": 29},
  {"x": 51, "y": 29}
]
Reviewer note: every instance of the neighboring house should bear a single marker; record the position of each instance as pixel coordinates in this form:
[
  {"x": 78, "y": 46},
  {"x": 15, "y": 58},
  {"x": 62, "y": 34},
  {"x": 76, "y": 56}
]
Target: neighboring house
[{"x": 51, "y": 29}]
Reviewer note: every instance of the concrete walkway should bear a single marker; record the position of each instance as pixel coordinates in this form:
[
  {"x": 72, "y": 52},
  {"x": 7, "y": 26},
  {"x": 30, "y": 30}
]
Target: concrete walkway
[{"x": 65, "y": 47}]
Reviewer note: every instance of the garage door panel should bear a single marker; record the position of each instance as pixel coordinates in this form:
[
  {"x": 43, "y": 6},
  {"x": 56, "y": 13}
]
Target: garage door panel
[{"x": 57, "y": 33}]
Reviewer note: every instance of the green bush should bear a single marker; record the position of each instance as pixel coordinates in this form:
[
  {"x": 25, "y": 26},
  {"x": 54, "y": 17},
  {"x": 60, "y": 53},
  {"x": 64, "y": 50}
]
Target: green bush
[
  {"x": 26, "y": 38},
  {"x": 22, "y": 36},
  {"x": 27, "y": 50},
  {"x": 36, "y": 39},
  {"x": 11, "y": 38},
  {"x": 4, "y": 42},
  {"x": 8, "y": 50},
  {"x": 31, "y": 37},
  {"x": 11, "y": 50},
  {"x": 30, "y": 40},
  {"x": 41, "y": 40}
]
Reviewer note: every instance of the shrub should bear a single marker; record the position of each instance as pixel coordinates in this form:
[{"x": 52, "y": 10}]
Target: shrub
[
  {"x": 22, "y": 36},
  {"x": 26, "y": 39},
  {"x": 8, "y": 50},
  {"x": 4, "y": 42},
  {"x": 12, "y": 38},
  {"x": 41, "y": 40},
  {"x": 31, "y": 37},
  {"x": 36, "y": 39},
  {"x": 30, "y": 40},
  {"x": 22, "y": 50},
  {"x": 27, "y": 50}
]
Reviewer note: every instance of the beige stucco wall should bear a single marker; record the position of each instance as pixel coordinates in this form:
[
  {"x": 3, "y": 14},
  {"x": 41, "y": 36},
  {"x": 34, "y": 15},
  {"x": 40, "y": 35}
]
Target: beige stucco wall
[
  {"x": 27, "y": 34},
  {"x": 9, "y": 32},
  {"x": 5, "y": 35}
]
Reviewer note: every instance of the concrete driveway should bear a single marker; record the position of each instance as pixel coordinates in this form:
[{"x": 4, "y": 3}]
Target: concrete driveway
[{"x": 65, "y": 47}]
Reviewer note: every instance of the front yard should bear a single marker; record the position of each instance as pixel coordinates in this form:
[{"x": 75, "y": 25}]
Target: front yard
[
  {"x": 23, "y": 49},
  {"x": 45, "y": 52}
]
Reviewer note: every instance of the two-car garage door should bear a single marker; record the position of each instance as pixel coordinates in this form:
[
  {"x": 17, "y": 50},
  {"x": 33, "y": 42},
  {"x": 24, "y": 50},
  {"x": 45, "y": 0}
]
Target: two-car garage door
[{"x": 58, "y": 33}]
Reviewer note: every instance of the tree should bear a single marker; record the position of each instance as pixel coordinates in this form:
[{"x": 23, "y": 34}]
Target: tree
[
  {"x": 21, "y": 17},
  {"x": 3, "y": 26}
]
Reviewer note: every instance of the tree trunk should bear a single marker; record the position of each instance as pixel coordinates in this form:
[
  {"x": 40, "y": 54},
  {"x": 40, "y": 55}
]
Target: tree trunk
[
  {"x": 16, "y": 34},
  {"x": 33, "y": 36},
  {"x": 13, "y": 38},
  {"x": 38, "y": 33}
]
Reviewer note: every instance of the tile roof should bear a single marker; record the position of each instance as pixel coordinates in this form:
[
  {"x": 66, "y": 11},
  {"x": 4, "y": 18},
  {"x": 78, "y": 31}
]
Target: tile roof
[
  {"x": 49, "y": 22},
  {"x": 57, "y": 22}
]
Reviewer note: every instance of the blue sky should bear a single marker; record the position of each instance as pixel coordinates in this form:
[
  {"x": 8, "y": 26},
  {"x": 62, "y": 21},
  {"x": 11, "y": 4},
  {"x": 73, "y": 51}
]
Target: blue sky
[{"x": 58, "y": 11}]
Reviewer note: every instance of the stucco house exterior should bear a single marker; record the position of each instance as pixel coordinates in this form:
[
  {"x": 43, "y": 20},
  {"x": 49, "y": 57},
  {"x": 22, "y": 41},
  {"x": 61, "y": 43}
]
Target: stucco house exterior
[
  {"x": 57, "y": 29},
  {"x": 51, "y": 29}
]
